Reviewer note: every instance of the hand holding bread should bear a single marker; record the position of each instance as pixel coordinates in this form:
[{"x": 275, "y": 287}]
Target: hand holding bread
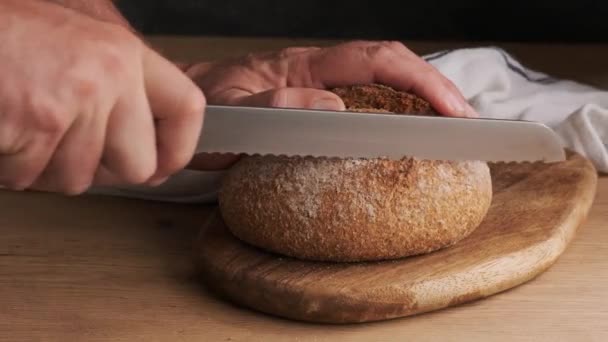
[{"x": 299, "y": 77}]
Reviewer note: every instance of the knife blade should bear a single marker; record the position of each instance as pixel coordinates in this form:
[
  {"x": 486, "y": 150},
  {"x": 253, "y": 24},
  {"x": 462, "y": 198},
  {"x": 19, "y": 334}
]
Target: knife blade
[{"x": 318, "y": 133}]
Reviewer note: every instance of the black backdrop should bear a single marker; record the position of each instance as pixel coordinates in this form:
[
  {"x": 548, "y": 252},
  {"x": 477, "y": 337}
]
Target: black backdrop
[{"x": 473, "y": 20}]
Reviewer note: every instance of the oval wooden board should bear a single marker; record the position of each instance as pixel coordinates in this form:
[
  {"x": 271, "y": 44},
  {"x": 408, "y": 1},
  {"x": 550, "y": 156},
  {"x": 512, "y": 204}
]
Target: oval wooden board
[{"x": 535, "y": 213}]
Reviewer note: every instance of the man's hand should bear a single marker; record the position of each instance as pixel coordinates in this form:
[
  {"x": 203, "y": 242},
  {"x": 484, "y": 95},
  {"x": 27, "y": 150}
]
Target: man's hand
[
  {"x": 84, "y": 102},
  {"x": 299, "y": 77}
]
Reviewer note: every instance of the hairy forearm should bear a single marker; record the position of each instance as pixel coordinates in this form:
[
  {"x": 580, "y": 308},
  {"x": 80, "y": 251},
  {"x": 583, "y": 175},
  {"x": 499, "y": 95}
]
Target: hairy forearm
[{"x": 104, "y": 10}]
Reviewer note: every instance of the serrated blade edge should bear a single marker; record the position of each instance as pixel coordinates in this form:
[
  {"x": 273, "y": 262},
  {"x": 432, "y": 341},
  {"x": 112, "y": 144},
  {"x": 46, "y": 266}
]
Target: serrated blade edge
[{"x": 301, "y": 132}]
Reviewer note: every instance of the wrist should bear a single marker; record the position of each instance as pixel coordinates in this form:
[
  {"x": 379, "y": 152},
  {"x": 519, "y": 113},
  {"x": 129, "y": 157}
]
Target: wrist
[{"x": 105, "y": 10}]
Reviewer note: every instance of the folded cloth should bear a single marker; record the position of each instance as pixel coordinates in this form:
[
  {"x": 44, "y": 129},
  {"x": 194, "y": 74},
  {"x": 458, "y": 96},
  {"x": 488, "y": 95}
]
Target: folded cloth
[
  {"x": 500, "y": 87},
  {"x": 497, "y": 86}
]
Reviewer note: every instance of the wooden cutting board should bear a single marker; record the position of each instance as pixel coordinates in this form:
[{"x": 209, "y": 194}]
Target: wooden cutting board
[{"x": 536, "y": 211}]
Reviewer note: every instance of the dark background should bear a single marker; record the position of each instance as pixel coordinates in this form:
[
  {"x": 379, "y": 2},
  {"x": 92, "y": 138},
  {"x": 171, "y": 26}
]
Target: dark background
[{"x": 470, "y": 20}]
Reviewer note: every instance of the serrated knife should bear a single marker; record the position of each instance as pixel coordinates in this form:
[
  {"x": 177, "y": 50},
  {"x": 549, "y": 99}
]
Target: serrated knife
[{"x": 303, "y": 132}]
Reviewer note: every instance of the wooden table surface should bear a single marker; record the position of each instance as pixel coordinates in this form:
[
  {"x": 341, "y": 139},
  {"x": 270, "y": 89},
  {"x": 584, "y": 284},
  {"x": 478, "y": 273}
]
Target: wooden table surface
[{"x": 99, "y": 268}]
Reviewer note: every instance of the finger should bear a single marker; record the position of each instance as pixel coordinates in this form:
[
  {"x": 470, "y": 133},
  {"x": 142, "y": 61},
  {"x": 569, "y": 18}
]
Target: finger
[
  {"x": 388, "y": 63},
  {"x": 76, "y": 159},
  {"x": 18, "y": 171},
  {"x": 426, "y": 82},
  {"x": 130, "y": 146},
  {"x": 178, "y": 108},
  {"x": 289, "y": 98}
]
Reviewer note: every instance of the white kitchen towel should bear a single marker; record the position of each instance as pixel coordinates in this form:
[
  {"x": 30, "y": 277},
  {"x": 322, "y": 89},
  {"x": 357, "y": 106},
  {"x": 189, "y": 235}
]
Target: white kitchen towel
[{"x": 496, "y": 84}]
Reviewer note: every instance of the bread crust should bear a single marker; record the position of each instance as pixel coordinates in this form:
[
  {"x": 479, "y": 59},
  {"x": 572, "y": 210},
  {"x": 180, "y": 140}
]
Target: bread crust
[{"x": 349, "y": 210}]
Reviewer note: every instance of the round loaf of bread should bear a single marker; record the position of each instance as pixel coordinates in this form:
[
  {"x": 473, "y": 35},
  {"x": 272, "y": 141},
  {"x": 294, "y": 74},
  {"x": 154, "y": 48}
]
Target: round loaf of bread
[{"x": 347, "y": 210}]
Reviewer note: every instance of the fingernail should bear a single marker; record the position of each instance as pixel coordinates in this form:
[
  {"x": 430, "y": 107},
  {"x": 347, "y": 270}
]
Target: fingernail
[{"x": 326, "y": 104}]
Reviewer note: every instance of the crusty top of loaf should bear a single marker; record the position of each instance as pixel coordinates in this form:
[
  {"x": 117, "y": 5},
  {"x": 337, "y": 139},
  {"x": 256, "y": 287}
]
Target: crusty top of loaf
[{"x": 381, "y": 98}]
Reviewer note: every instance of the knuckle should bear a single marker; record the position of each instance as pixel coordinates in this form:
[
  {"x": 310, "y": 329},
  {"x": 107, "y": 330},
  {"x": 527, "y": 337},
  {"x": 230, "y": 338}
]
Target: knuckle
[
  {"x": 249, "y": 60},
  {"x": 380, "y": 52},
  {"x": 112, "y": 61},
  {"x": 114, "y": 54},
  {"x": 385, "y": 50},
  {"x": 395, "y": 45},
  {"x": 193, "y": 102},
  {"x": 296, "y": 50},
  {"x": 86, "y": 88},
  {"x": 49, "y": 118}
]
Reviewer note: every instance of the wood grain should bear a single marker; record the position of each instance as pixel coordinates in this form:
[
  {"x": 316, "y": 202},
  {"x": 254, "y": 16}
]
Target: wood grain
[
  {"x": 535, "y": 213},
  {"x": 108, "y": 269}
]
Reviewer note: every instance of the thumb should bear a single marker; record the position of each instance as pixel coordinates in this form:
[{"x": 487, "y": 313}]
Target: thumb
[{"x": 308, "y": 98}]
